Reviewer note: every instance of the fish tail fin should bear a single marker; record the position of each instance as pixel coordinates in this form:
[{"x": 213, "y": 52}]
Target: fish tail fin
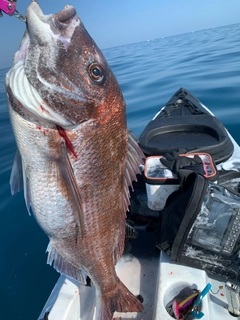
[{"x": 120, "y": 299}]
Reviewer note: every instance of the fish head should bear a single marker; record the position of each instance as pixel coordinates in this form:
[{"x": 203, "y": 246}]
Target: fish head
[{"x": 60, "y": 75}]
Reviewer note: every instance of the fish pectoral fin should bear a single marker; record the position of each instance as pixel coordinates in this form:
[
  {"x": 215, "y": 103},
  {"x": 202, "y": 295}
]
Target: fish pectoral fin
[
  {"x": 16, "y": 177},
  {"x": 68, "y": 185},
  {"x": 63, "y": 267}
]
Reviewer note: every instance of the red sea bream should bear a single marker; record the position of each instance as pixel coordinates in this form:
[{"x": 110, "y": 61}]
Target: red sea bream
[{"x": 76, "y": 158}]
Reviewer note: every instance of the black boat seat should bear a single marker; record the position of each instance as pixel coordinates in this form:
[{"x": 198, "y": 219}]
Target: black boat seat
[{"x": 184, "y": 125}]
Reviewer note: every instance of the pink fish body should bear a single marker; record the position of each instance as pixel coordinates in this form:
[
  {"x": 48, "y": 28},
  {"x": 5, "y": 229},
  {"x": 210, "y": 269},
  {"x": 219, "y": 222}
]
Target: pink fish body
[{"x": 76, "y": 157}]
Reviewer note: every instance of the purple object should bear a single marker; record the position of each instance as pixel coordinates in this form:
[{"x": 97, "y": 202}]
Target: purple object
[{"x": 8, "y": 7}]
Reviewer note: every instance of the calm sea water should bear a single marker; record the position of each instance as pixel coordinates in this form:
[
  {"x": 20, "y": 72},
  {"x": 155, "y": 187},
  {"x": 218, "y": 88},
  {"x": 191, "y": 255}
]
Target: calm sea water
[{"x": 207, "y": 63}]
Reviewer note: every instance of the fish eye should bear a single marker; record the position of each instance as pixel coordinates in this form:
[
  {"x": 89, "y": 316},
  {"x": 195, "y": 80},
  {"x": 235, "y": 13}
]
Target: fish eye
[{"x": 95, "y": 72}]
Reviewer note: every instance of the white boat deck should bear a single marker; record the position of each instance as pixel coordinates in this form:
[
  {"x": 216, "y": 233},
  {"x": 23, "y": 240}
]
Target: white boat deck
[
  {"x": 71, "y": 301},
  {"x": 157, "y": 280}
]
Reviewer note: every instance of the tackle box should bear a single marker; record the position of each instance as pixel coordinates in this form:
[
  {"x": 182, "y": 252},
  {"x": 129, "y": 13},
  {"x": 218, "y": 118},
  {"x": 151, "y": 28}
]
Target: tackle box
[{"x": 161, "y": 182}]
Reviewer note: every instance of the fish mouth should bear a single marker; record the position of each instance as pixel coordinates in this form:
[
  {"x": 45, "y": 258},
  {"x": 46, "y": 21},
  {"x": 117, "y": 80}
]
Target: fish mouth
[
  {"x": 42, "y": 27},
  {"x": 64, "y": 16}
]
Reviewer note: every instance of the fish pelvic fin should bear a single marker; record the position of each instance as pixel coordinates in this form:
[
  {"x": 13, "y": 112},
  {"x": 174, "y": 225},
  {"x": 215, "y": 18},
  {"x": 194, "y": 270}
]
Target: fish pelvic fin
[
  {"x": 120, "y": 299},
  {"x": 19, "y": 180},
  {"x": 16, "y": 177}
]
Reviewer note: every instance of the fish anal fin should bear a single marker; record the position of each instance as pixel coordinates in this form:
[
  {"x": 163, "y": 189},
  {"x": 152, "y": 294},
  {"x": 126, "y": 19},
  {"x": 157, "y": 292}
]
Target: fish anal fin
[
  {"x": 118, "y": 250},
  {"x": 63, "y": 267},
  {"x": 120, "y": 299}
]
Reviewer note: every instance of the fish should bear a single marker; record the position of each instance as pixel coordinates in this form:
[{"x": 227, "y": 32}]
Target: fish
[{"x": 76, "y": 158}]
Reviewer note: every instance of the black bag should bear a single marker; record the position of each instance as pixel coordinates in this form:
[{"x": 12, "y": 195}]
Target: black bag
[{"x": 200, "y": 227}]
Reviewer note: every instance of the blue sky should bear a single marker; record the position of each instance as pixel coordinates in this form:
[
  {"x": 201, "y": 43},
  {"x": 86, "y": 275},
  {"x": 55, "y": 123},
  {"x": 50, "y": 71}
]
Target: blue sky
[{"x": 113, "y": 23}]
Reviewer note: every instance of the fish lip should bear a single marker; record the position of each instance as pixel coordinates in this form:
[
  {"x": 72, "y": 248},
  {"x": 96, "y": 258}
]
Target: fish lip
[
  {"x": 38, "y": 24},
  {"x": 63, "y": 19},
  {"x": 65, "y": 16},
  {"x": 34, "y": 11},
  {"x": 34, "y": 6}
]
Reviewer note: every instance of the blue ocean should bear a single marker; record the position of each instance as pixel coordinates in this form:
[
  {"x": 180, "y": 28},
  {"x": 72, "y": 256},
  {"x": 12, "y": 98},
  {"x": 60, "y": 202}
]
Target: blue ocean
[{"x": 206, "y": 62}]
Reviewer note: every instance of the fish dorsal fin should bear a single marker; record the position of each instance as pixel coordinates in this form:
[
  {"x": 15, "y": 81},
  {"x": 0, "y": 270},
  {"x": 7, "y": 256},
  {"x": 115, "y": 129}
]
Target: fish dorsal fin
[
  {"x": 67, "y": 183},
  {"x": 16, "y": 177},
  {"x": 135, "y": 158},
  {"x": 63, "y": 267}
]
